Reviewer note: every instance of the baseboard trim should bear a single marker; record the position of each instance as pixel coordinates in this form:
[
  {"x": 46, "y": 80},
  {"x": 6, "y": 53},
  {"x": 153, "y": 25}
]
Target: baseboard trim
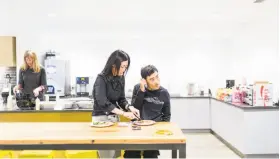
[
  {"x": 240, "y": 154},
  {"x": 196, "y": 130},
  {"x": 261, "y": 156},
  {"x": 235, "y": 150}
]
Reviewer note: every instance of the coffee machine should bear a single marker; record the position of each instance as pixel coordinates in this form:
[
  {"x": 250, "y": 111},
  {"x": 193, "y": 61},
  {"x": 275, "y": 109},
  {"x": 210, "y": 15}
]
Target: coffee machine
[{"x": 82, "y": 84}]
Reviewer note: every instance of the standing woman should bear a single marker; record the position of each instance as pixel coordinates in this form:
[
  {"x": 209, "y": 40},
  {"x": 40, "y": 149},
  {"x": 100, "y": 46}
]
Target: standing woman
[
  {"x": 32, "y": 76},
  {"x": 109, "y": 94}
]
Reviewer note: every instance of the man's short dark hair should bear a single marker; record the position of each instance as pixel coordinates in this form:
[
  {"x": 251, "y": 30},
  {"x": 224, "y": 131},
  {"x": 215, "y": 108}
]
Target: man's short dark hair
[{"x": 148, "y": 70}]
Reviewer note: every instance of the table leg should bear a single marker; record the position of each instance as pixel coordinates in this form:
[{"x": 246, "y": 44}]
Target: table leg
[
  {"x": 174, "y": 154},
  {"x": 182, "y": 151}
]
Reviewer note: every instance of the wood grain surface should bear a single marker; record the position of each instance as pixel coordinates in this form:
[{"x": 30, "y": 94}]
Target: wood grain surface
[{"x": 83, "y": 133}]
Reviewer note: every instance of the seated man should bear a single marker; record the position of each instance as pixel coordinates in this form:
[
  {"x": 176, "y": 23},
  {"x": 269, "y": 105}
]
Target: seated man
[{"x": 153, "y": 102}]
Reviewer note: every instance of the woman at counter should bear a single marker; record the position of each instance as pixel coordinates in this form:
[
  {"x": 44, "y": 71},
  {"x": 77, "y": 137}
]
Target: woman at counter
[
  {"x": 32, "y": 76},
  {"x": 109, "y": 94}
]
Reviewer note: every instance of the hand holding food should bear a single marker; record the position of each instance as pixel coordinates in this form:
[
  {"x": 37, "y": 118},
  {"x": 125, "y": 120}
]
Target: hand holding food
[
  {"x": 129, "y": 115},
  {"x": 134, "y": 111}
]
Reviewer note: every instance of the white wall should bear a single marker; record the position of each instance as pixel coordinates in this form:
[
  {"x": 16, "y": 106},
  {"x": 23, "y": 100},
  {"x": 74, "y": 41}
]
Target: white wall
[{"x": 199, "y": 40}]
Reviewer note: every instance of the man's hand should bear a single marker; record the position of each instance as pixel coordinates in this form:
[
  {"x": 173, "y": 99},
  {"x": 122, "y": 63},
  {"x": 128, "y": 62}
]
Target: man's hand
[
  {"x": 134, "y": 111},
  {"x": 143, "y": 83}
]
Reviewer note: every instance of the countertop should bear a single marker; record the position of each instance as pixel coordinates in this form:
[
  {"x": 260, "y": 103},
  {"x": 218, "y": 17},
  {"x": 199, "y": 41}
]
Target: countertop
[
  {"x": 247, "y": 107},
  {"x": 181, "y": 97},
  {"x": 44, "y": 110},
  {"x": 237, "y": 105}
]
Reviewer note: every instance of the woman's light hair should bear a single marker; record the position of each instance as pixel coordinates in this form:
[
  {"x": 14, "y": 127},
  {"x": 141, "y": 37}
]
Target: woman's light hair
[{"x": 35, "y": 65}]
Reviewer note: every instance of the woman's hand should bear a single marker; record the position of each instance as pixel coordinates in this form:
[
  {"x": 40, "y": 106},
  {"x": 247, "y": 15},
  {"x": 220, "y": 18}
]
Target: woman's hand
[
  {"x": 36, "y": 91},
  {"x": 134, "y": 111},
  {"x": 129, "y": 115},
  {"x": 16, "y": 88}
]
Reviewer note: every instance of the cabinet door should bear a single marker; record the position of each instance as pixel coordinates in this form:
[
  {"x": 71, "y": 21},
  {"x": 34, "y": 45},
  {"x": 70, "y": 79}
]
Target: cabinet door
[
  {"x": 191, "y": 113},
  {"x": 7, "y": 51}
]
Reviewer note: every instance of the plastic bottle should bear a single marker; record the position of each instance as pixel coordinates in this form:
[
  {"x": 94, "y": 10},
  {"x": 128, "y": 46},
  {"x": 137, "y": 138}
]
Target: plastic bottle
[
  {"x": 58, "y": 103},
  {"x": 47, "y": 98},
  {"x": 10, "y": 99},
  {"x": 37, "y": 103},
  {"x": 1, "y": 103},
  {"x": 57, "y": 96},
  {"x": 10, "y": 103}
]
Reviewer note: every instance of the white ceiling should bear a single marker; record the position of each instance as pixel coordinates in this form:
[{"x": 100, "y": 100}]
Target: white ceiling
[
  {"x": 102, "y": 10},
  {"x": 192, "y": 16}
]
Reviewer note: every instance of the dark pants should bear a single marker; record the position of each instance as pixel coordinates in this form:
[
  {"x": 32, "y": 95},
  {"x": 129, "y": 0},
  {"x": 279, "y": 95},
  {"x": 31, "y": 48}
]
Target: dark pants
[{"x": 137, "y": 154}]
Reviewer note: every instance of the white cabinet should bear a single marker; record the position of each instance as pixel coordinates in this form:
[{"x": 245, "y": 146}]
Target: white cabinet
[
  {"x": 191, "y": 113},
  {"x": 251, "y": 131},
  {"x": 228, "y": 122}
]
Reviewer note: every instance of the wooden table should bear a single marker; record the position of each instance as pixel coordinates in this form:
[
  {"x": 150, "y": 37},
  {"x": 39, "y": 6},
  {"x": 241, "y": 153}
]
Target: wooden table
[{"x": 81, "y": 136}]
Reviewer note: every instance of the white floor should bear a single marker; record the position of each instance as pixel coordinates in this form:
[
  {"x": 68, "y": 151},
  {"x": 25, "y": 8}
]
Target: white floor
[{"x": 204, "y": 145}]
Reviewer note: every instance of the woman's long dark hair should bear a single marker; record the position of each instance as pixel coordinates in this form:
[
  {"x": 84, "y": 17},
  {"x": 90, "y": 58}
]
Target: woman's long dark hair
[{"x": 116, "y": 58}]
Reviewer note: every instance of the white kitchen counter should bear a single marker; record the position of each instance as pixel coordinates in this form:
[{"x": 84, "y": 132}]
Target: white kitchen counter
[{"x": 250, "y": 131}]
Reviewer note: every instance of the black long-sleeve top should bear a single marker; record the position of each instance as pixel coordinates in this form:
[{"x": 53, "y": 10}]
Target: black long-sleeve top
[
  {"x": 153, "y": 105},
  {"x": 29, "y": 80},
  {"x": 108, "y": 92}
]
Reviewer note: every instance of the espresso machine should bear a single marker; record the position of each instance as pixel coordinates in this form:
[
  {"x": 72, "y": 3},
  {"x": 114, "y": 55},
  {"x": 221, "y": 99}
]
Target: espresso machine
[{"x": 82, "y": 84}]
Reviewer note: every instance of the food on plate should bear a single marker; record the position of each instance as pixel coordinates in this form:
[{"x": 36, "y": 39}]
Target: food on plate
[
  {"x": 144, "y": 122},
  {"x": 99, "y": 123},
  {"x": 102, "y": 123}
]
